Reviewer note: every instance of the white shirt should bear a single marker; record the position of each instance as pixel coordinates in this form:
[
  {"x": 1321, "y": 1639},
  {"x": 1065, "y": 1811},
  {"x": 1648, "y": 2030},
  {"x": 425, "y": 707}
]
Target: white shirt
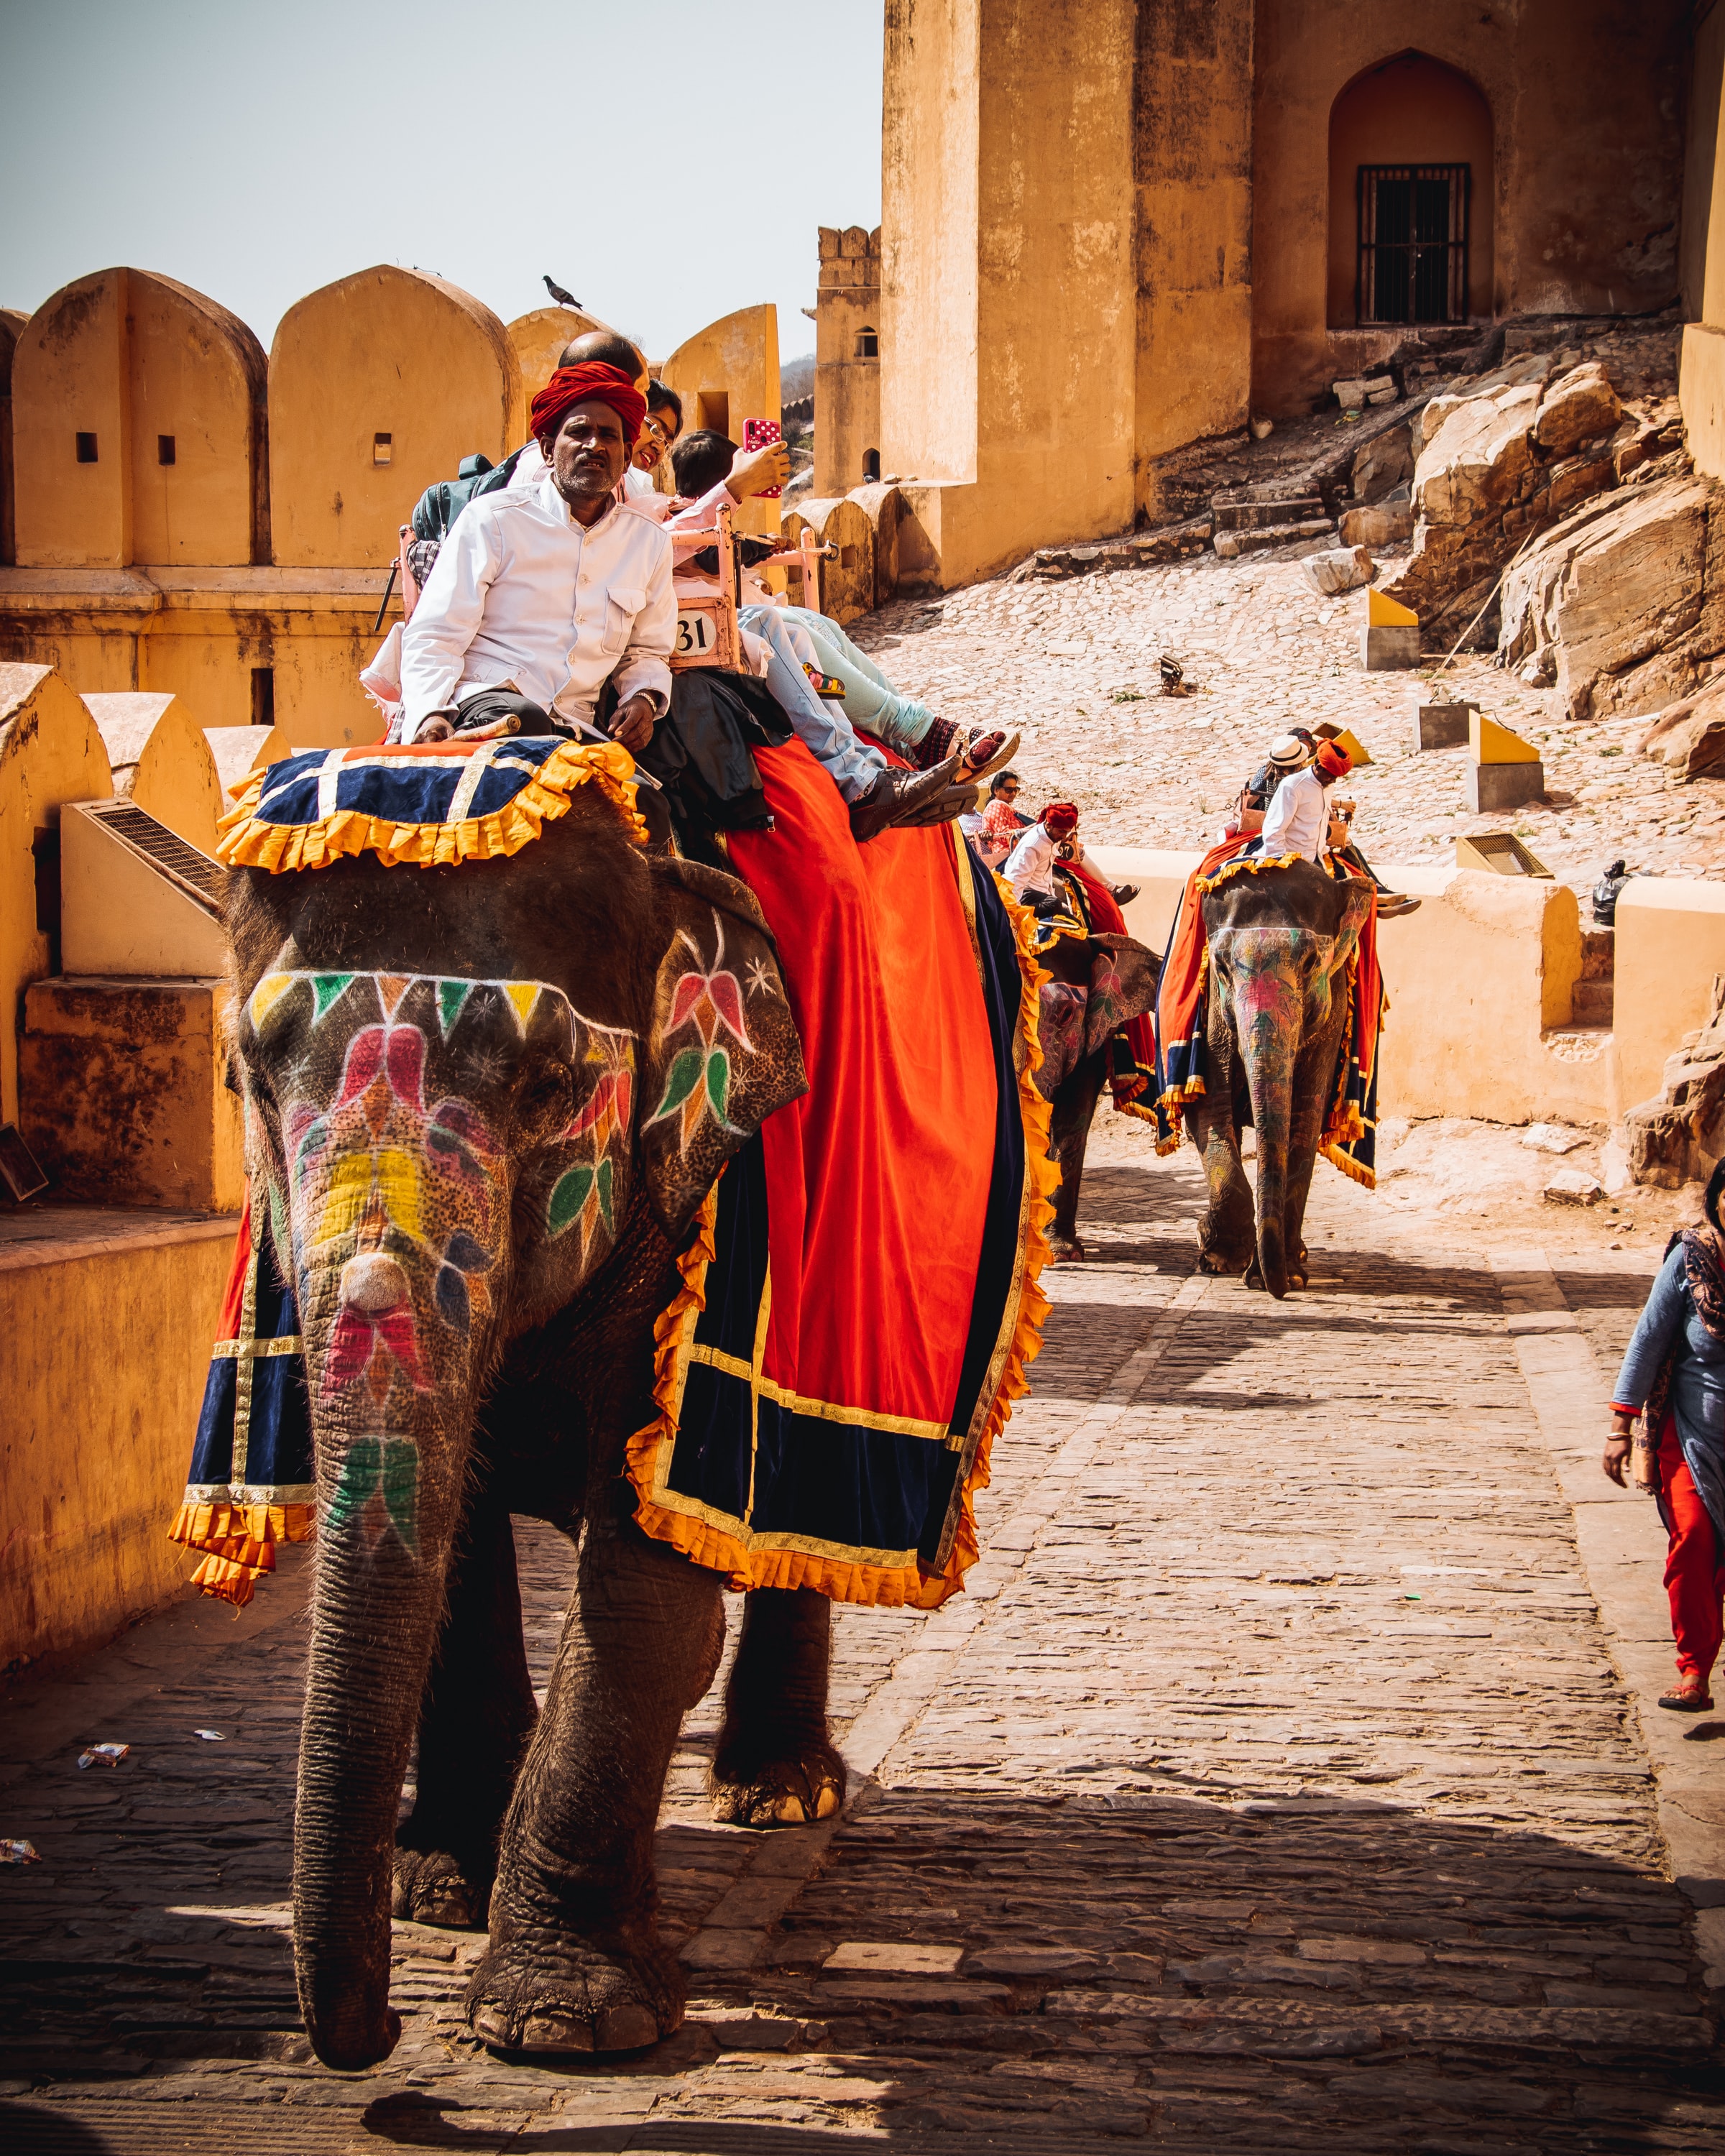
[
  {"x": 522, "y": 593},
  {"x": 1297, "y": 819},
  {"x": 1030, "y": 866}
]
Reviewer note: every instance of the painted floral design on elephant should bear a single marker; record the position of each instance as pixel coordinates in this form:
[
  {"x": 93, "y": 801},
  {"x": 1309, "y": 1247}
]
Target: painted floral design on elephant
[{"x": 698, "y": 1082}]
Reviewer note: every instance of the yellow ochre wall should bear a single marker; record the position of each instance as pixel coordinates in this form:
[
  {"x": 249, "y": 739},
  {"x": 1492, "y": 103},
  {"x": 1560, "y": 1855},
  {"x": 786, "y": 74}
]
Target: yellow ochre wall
[
  {"x": 386, "y": 351},
  {"x": 1701, "y": 382},
  {"x": 138, "y": 361},
  {"x": 725, "y": 374},
  {"x": 94, "y": 1443},
  {"x": 537, "y": 340},
  {"x": 51, "y": 752}
]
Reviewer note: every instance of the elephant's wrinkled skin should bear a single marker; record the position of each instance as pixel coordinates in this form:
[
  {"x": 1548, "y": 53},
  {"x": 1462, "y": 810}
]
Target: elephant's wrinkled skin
[
  {"x": 478, "y": 1191},
  {"x": 1095, "y": 986},
  {"x": 1279, "y": 943}
]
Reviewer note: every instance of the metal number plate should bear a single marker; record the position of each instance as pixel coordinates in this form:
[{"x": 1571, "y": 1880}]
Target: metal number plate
[{"x": 695, "y": 636}]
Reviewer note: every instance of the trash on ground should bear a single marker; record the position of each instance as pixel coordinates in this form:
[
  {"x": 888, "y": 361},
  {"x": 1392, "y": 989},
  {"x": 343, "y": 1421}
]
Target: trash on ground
[
  {"x": 210, "y": 1736},
  {"x": 19, "y": 1852},
  {"x": 103, "y": 1755}
]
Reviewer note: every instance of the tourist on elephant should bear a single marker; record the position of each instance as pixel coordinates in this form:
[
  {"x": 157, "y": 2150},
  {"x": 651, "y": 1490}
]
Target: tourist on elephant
[
  {"x": 660, "y": 430},
  {"x": 1050, "y": 846},
  {"x": 1673, "y": 1380},
  {"x": 1000, "y": 826},
  {"x": 838, "y": 671},
  {"x": 878, "y": 793},
  {"x": 1287, "y": 804},
  {"x": 488, "y": 640}
]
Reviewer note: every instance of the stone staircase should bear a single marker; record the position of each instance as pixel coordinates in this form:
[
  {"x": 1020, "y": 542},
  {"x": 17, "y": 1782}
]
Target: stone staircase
[{"x": 1254, "y": 518}]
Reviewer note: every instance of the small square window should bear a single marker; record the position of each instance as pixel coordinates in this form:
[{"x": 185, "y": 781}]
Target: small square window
[
  {"x": 164, "y": 448},
  {"x": 86, "y": 448},
  {"x": 380, "y": 447}
]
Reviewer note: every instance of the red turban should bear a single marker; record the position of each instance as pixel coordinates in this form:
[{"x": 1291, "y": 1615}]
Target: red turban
[
  {"x": 1334, "y": 760},
  {"x": 1061, "y": 815},
  {"x": 593, "y": 383}
]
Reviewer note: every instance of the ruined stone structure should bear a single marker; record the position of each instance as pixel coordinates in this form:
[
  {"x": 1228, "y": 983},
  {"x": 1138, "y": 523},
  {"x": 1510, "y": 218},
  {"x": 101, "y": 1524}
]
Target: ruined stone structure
[
  {"x": 1114, "y": 228},
  {"x": 847, "y": 361}
]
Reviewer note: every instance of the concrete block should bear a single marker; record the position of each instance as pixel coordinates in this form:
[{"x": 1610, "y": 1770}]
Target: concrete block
[
  {"x": 1495, "y": 786},
  {"x": 1488, "y": 742},
  {"x": 1441, "y": 725},
  {"x": 1386, "y": 646}
]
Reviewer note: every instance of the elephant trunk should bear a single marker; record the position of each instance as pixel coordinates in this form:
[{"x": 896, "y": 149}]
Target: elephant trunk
[
  {"x": 392, "y": 1432},
  {"x": 371, "y": 1638},
  {"x": 1268, "y": 1009}
]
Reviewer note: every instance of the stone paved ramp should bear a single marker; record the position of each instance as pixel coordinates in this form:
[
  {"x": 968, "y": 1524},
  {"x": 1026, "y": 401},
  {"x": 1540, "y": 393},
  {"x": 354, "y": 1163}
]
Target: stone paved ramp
[{"x": 1272, "y": 1790}]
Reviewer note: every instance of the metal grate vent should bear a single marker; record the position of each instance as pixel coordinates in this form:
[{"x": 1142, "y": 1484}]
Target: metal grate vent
[{"x": 165, "y": 851}]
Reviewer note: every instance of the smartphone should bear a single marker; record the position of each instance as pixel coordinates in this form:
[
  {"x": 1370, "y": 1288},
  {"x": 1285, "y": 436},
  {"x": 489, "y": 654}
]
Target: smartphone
[{"x": 760, "y": 434}]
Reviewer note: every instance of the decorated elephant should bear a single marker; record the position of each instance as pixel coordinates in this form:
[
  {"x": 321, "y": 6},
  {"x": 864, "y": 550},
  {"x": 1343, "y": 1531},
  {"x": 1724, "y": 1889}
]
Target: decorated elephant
[
  {"x": 1098, "y": 985},
  {"x": 1278, "y": 1032},
  {"x": 455, "y": 1151},
  {"x": 496, "y": 1058}
]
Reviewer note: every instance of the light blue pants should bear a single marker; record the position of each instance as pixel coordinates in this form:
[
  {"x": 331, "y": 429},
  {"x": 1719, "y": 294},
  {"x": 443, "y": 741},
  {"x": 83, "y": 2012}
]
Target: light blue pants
[
  {"x": 871, "y": 700},
  {"x": 822, "y": 727}
]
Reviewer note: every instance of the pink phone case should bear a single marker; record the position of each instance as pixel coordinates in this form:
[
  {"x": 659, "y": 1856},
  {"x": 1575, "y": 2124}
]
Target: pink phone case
[{"x": 757, "y": 434}]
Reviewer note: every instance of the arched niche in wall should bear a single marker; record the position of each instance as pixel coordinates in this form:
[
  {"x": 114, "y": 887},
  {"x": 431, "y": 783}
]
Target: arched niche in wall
[
  {"x": 537, "y": 339},
  {"x": 379, "y": 384},
  {"x": 1412, "y": 199},
  {"x": 138, "y": 417},
  {"x": 726, "y": 374}
]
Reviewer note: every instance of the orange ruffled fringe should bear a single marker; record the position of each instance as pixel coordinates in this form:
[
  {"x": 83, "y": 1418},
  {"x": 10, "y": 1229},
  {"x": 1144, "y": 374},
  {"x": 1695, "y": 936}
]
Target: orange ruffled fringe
[
  {"x": 247, "y": 842},
  {"x": 843, "y": 1579},
  {"x": 239, "y": 1543}
]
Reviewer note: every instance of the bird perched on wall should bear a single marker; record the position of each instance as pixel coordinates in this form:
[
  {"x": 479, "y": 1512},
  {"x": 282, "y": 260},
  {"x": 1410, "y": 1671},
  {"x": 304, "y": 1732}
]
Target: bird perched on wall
[{"x": 562, "y": 298}]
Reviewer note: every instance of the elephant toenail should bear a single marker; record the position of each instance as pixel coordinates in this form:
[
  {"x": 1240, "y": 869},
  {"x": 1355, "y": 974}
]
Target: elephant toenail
[
  {"x": 788, "y": 1811},
  {"x": 627, "y": 2028},
  {"x": 490, "y": 2024},
  {"x": 827, "y": 1803},
  {"x": 555, "y": 2032}
]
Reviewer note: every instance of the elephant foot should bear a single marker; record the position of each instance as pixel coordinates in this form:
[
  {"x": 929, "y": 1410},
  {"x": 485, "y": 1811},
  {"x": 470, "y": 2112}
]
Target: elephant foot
[
  {"x": 558, "y": 1995},
  {"x": 793, "y": 1791},
  {"x": 431, "y": 1886},
  {"x": 1064, "y": 1249},
  {"x": 1255, "y": 1276}
]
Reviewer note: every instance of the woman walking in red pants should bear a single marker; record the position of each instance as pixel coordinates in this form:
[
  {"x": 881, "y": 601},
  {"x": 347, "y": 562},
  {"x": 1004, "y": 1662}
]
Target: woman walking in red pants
[{"x": 1673, "y": 1377}]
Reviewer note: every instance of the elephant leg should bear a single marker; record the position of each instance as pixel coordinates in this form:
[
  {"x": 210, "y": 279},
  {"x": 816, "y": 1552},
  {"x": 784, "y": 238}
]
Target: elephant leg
[
  {"x": 476, "y": 1716},
  {"x": 776, "y": 1765},
  {"x": 575, "y": 1962},
  {"x": 1227, "y": 1235},
  {"x": 1074, "y": 1107}
]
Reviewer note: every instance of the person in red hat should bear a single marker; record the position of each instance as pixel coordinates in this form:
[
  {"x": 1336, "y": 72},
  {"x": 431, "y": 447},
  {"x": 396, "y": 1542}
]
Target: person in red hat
[{"x": 540, "y": 593}]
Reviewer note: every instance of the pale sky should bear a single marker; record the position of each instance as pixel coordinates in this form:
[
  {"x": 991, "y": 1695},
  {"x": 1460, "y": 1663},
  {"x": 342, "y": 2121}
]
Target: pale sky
[{"x": 666, "y": 163}]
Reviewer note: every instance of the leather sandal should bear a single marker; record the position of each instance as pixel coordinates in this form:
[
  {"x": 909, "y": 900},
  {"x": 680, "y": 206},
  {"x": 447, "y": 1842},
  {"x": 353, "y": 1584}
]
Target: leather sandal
[
  {"x": 988, "y": 752},
  {"x": 1689, "y": 1696}
]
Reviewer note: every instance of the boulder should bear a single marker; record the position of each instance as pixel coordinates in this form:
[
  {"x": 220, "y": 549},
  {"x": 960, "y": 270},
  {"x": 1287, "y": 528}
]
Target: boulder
[
  {"x": 1339, "y": 569},
  {"x": 1578, "y": 407},
  {"x": 1382, "y": 465},
  {"x": 1612, "y": 604},
  {"x": 1380, "y": 524},
  {"x": 1695, "y": 748},
  {"x": 1573, "y": 1186}
]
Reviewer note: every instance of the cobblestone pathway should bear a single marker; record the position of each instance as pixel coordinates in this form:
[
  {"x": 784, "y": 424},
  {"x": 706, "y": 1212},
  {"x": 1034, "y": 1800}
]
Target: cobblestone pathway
[{"x": 1272, "y": 1790}]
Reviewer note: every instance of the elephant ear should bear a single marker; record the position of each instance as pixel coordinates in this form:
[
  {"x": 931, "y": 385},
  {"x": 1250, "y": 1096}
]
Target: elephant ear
[
  {"x": 1122, "y": 986},
  {"x": 722, "y": 1048}
]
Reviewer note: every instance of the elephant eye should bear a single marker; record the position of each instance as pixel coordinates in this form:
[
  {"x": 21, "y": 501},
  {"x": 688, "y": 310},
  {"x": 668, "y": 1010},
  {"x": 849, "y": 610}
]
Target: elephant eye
[{"x": 547, "y": 1093}]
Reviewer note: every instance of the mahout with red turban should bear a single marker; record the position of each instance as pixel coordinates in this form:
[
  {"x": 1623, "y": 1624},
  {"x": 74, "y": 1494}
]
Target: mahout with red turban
[
  {"x": 592, "y": 384},
  {"x": 1059, "y": 815},
  {"x": 1334, "y": 759}
]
